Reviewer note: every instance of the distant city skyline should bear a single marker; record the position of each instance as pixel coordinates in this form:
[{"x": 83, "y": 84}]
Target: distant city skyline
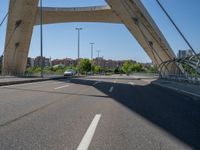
[
  {"x": 69, "y": 62},
  {"x": 113, "y": 40},
  {"x": 77, "y": 58}
]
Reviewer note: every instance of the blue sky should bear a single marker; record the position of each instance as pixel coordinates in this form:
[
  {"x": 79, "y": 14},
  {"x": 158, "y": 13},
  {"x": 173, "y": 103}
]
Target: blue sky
[{"x": 113, "y": 40}]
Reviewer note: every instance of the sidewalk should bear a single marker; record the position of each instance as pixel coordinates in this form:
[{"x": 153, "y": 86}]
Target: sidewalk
[
  {"x": 9, "y": 80},
  {"x": 123, "y": 76},
  {"x": 184, "y": 88}
]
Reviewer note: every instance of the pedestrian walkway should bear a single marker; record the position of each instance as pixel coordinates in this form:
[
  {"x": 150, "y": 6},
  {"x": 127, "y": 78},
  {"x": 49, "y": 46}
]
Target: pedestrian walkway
[
  {"x": 9, "y": 80},
  {"x": 185, "y": 88}
]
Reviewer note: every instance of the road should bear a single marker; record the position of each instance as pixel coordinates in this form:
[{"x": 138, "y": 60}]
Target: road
[{"x": 101, "y": 113}]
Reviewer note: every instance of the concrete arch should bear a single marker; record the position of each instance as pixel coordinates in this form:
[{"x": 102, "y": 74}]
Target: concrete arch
[
  {"x": 77, "y": 14},
  {"x": 23, "y": 15}
]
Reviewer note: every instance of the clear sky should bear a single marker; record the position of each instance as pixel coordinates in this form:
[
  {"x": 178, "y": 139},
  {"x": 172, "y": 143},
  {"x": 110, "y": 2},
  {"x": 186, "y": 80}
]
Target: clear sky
[{"x": 113, "y": 40}]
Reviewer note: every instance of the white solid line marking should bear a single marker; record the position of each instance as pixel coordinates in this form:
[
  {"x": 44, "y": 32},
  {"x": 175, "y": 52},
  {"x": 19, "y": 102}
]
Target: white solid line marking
[
  {"x": 111, "y": 89},
  {"x": 61, "y": 87},
  {"x": 87, "y": 138},
  {"x": 97, "y": 82},
  {"x": 131, "y": 83}
]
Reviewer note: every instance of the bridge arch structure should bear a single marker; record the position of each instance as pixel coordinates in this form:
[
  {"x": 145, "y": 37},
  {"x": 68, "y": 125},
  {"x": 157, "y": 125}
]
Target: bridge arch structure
[{"x": 23, "y": 15}]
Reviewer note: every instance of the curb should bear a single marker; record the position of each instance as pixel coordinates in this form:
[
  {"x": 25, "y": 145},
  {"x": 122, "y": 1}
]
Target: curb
[
  {"x": 35, "y": 80},
  {"x": 110, "y": 77},
  {"x": 192, "y": 95},
  {"x": 21, "y": 82},
  {"x": 29, "y": 81}
]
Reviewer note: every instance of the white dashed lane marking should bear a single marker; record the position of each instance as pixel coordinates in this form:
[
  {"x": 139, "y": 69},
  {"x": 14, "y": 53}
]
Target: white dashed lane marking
[
  {"x": 60, "y": 87},
  {"x": 111, "y": 89},
  {"x": 87, "y": 138}
]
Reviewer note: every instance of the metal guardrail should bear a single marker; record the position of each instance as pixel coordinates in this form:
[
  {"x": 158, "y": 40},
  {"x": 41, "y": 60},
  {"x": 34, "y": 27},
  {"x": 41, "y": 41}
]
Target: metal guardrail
[
  {"x": 192, "y": 79},
  {"x": 191, "y": 61}
]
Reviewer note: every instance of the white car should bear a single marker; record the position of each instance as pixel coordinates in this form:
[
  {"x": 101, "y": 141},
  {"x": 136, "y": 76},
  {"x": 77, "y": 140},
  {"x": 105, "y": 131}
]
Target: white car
[{"x": 69, "y": 72}]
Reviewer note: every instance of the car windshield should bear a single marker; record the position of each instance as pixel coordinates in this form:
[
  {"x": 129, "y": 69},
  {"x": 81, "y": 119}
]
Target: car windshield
[{"x": 69, "y": 70}]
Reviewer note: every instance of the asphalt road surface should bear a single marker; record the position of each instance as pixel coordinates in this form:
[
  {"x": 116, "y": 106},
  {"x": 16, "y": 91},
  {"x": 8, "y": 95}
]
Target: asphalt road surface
[{"x": 97, "y": 114}]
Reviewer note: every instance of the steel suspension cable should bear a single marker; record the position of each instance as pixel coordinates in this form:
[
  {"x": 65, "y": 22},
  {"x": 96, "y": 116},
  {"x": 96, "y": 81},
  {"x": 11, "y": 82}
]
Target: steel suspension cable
[
  {"x": 4, "y": 18},
  {"x": 177, "y": 28},
  {"x": 6, "y": 15}
]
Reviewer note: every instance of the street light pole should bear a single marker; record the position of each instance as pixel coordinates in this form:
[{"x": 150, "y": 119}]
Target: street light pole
[
  {"x": 41, "y": 39},
  {"x": 98, "y": 51},
  {"x": 92, "y": 47},
  {"x": 78, "y": 29}
]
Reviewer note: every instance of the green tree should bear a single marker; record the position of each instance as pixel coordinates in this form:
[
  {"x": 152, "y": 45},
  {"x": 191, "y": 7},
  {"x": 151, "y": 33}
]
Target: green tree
[
  {"x": 189, "y": 69},
  {"x": 84, "y": 66},
  {"x": 118, "y": 70},
  {"x": 32, "y": 70},
  {"x": 136, "y": 67},
  {"x": 96, "y": 69},
  {"x": 127, "y": 67},
  {"x": 151, "y": 69}
]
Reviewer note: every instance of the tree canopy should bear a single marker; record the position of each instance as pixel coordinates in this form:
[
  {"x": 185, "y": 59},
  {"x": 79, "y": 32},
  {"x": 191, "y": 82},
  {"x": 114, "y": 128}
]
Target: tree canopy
[{"x": 84, "y": 66}]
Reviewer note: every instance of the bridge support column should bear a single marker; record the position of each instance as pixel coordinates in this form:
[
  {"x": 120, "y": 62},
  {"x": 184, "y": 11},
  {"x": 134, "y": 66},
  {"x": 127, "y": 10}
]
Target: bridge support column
[
  {"x": 135, "y": 17},
  {"x": 21, "y": 20}
]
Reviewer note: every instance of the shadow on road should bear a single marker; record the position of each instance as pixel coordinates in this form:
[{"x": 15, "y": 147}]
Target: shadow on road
[{"x": 177, "y": 114}]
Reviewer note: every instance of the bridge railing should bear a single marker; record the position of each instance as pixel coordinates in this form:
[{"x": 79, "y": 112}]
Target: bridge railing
[
  {"x": 188, "y": 69},
  {"x": 192, "y": 79}
]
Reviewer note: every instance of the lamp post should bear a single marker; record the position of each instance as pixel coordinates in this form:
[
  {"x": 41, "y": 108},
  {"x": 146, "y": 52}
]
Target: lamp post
[
  {"x": 92, "y": 47},
  {"x": 41, "y": 39},
  {"x": 78, "y": 29},
  {"x": 98, "y": 51}
]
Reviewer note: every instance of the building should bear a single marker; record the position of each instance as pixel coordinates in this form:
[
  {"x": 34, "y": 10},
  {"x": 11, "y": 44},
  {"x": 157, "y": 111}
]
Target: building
[
  {"x": 66, "y": 62},
  {"x": 46, "y": 61},
  {"x": 147, "y": 64},
  {"x": 30, "y": 62},
  {"x": 184, "y": 53},
  {"x": 109, "y": 64}
]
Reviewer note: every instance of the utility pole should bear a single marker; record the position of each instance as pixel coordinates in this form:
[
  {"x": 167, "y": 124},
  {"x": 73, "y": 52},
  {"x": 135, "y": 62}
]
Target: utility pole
[
  {"x": 78, "y": 29},
  {"x": 98, "y": 51},
  {"x": 92, "y": 48},
  {"x": 41, "y": 39}
]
